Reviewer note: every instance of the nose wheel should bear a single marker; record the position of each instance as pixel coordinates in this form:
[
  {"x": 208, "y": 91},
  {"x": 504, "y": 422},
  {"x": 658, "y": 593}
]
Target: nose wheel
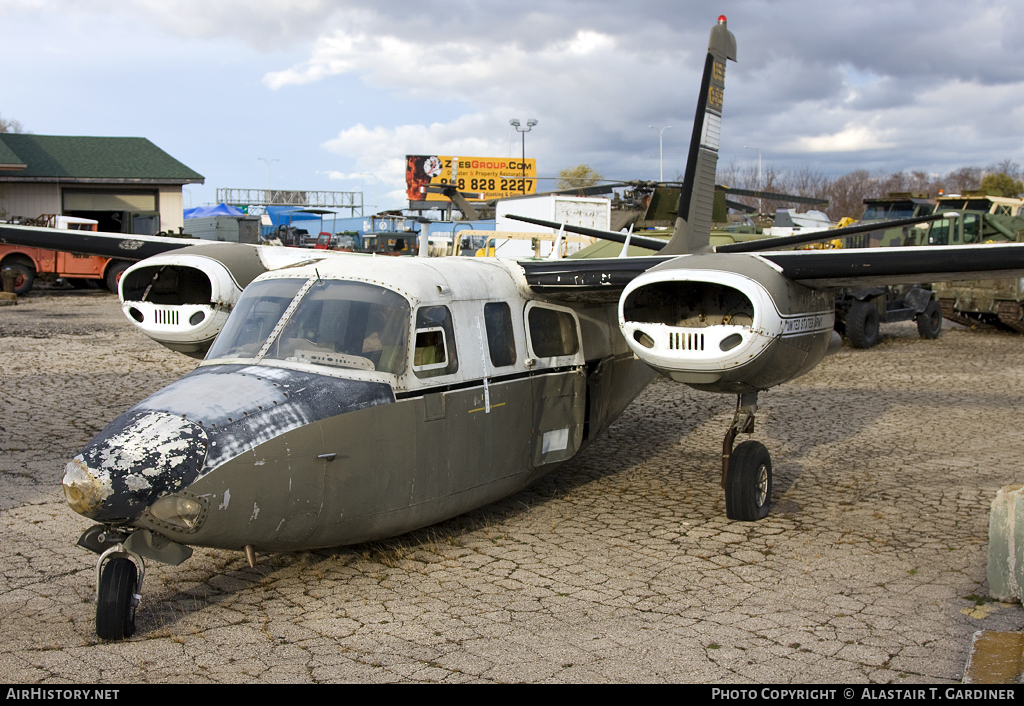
[
  {"x": 747, "y": 469},
  {"x": 119, "y": 583}
]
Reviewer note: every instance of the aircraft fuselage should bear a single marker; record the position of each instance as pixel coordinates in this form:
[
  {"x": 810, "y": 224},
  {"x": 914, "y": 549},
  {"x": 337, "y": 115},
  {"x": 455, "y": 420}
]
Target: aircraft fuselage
[{"x": 388, "y": 395}]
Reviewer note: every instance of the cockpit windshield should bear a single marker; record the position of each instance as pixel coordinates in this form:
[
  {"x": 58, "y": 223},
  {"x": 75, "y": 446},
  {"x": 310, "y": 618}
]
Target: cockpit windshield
[
  {"x": 888, "y": 211},
  {"x": 336, "y": 323}
]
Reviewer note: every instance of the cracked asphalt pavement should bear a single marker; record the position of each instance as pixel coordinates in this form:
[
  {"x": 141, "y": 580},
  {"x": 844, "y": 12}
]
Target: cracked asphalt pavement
[{"x": 619, "y": 567}]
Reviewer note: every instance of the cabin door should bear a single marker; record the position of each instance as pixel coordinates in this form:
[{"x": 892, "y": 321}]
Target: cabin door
[{"x": 559, "y": 383}]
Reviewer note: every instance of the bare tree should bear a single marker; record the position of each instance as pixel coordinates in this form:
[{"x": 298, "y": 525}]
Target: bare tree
[
  {"x": 10, "y": 125},
  {"x": 846, "y": 193}
]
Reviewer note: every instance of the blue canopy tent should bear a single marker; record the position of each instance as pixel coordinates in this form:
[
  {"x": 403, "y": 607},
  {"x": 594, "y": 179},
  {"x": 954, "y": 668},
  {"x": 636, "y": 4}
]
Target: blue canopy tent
[{"x": 221, "y": 209}]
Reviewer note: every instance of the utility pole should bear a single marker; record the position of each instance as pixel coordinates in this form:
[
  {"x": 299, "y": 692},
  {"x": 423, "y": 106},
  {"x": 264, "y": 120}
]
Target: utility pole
[
  {"x": 514, "y": 122},
  {"x": 661, "y": 149}
]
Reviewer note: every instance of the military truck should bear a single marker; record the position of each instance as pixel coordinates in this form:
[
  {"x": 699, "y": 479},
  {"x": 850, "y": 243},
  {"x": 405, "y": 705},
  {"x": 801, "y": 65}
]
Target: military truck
[
  {"x": 860, "y": 312},
  {"x": 979, "y": 219}
]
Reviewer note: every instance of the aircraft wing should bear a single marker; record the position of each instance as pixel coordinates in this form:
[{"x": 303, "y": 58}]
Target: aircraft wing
[
  {"x": 601, "y": 279},
  {"x": 879, "y": 266},
  {"x": 122, "y": 246},
  {"x": 641, "y": 241}
]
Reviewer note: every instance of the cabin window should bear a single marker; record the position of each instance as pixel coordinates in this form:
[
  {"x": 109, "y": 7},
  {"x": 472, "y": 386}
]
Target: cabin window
[
  {"x": 552, "y": 332},
  {"x": 434, "y": 352},
  {"x": 501, "y": 340}
]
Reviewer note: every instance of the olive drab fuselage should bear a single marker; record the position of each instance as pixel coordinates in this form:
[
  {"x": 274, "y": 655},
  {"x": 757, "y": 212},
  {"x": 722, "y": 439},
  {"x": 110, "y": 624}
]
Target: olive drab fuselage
[{"x": 468, "y": 388}]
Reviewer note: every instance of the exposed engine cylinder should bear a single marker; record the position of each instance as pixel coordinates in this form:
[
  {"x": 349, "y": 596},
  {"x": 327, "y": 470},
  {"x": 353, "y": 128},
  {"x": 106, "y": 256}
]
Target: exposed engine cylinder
[{"x": 725, "y": 325}]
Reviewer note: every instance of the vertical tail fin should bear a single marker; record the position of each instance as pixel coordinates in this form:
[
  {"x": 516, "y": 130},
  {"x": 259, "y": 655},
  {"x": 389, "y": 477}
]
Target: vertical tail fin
[{"x": 696, "y": 198}]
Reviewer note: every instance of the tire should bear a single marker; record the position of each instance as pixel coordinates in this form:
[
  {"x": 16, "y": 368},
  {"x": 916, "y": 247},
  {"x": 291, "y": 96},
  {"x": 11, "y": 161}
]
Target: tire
[
  {"x": 929, "y": 321},
  {"x": 114, "y": 271},
  {"x": 862, "y": 325},
  {"x": 24, "y": 277},
  {"x": 748, "y": 482},
  {"x": 115, "y": 607}
]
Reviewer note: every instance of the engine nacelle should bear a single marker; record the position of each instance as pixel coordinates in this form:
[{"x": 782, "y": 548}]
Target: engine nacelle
[
  {"x": 179, "y": 300},
  {"x": 725, "y": 323}
]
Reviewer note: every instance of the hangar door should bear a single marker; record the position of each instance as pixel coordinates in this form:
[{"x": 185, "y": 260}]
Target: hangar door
[{"x": 116, "y": 211}]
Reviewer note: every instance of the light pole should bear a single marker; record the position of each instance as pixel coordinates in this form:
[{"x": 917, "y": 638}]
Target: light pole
[
  {"x": 759, "y": 206},
  {"x": 268, "y": 161},
  {"x": 661, "y": 149},
  {"x": 376, "y": 191},
  {"x": 514, "y": 122}
]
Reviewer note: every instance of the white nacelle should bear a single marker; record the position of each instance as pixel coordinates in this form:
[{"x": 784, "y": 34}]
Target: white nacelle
[
  {"x": 724, "y": 331},
  {"x": 180, "y": 301}
]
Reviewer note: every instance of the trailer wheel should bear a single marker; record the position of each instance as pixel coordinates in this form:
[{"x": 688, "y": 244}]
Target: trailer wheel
[
  {"x": 24, "y": 277},
  {"x": 929, "y": 321},
  {"x": 862, "y": 325}
]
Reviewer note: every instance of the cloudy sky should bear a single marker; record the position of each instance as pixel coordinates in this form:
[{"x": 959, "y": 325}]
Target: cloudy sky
[{"x": 326, "y": 91}]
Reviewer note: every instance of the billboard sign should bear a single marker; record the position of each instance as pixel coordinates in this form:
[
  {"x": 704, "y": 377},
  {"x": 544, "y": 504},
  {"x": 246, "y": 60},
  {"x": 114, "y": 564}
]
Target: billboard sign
[{"x": 479, "y": 178}]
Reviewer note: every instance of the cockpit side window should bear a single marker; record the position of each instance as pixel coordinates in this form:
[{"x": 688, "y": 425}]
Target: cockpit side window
[{"x": 434, "y": 352}]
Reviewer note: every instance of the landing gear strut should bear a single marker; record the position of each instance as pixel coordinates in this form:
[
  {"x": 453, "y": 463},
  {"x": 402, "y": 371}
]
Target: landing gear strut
[{"x": 747, "y": 469}]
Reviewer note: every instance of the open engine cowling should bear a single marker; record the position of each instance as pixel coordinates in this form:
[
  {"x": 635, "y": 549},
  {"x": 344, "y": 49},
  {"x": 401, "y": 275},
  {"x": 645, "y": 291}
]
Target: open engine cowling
[
  {"x": 725, "y": 323},
  {"x": 180, "y": 301}
]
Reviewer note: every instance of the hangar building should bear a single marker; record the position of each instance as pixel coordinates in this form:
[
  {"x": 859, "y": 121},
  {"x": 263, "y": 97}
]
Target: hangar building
[{"x": 128, "y": 184}]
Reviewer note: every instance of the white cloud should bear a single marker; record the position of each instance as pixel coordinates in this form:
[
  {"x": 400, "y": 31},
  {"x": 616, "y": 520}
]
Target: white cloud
[
  {"x": 851, "y": 139},
  {"x": 447, "y": 82},
  {"x": 382, "y": 151}
]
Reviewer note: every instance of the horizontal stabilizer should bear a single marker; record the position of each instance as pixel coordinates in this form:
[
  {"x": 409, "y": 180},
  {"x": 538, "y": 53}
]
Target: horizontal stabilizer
[{"x": 638, "y": 240}]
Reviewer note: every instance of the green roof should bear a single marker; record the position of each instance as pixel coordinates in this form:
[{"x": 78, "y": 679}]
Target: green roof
[
  {"x": 117, "y": 158},
  {"x": 9, "y": 160}
]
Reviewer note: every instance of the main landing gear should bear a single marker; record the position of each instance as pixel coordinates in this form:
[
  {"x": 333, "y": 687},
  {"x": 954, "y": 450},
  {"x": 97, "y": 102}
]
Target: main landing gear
[{"x": 747, "y": 469}]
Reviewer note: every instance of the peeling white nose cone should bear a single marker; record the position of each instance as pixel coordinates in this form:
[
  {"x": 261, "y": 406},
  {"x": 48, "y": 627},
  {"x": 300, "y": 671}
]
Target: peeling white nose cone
[
  {"x": 139, "y": 457},
  {"x": 84, "y": 490}
]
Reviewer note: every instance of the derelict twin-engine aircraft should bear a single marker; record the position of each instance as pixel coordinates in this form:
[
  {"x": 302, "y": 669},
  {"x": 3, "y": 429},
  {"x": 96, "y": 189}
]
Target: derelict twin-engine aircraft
[{"x": 346, "y": 398}]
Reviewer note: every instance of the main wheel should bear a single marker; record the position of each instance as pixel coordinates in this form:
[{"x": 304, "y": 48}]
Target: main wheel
[
  {"x": 929, "y": 321},
  {"x": 115, "y": 607},
  {"x": 24, "y": 277},
  {"x": 748, "y": 482},
  {"x": 862, "y": 325}
]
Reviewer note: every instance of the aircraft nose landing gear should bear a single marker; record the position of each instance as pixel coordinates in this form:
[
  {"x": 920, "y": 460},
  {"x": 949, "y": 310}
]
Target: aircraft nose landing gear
[
  {"x": 119, "y": 575},
  {"x": 747, "y": 469}
]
